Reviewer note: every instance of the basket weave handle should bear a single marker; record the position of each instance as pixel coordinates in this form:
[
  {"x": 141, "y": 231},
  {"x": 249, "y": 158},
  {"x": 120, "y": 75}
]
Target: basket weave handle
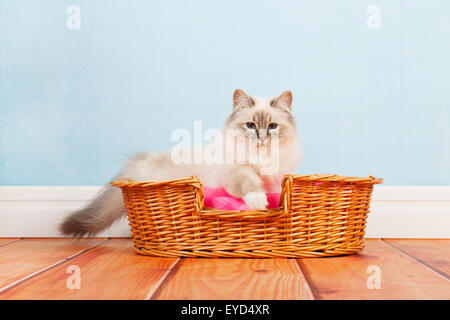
[
  {"x": 212, "y": 213},
  {"x": 276, "y": 213}
]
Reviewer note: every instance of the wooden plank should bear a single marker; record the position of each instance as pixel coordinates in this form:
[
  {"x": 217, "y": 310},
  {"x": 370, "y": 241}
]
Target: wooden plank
[
  {"x": 110, "y": 271},
  {"x": 23, "y": 258},
  {"x": 220, "y": 279},
  {"x": 435, "y": 253},
  {"x": 5, "y": 241},
  {"x": 401, "y": 277}
]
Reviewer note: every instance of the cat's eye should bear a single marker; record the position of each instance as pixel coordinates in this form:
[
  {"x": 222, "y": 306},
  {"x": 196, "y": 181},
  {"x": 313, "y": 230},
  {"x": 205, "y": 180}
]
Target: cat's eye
[
  {"x": 273, "y": 126},
  {"x": 250, "y": 125}
]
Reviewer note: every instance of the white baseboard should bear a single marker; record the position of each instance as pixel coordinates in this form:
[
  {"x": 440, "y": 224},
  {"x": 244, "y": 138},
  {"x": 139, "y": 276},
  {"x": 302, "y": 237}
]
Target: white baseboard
[{"x": 396, "y": 211}]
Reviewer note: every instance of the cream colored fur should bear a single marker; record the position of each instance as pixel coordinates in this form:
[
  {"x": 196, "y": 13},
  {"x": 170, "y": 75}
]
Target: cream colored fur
[{"x": 244, "y": 179}]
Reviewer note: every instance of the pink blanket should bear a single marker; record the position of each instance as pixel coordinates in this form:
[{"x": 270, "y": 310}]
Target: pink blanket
[{"x": 220, "y": 199}]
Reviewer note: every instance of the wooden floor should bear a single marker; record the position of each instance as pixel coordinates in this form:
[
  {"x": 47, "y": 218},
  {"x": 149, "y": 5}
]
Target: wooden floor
[{"x": 109, "y": 269}]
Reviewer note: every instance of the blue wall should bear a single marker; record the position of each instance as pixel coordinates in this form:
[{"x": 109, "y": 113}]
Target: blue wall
[{"x": 75, "y": 103}]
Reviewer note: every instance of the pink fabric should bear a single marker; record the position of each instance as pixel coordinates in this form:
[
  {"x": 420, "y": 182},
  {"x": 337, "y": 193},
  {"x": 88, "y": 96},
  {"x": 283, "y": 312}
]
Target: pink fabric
[{"x": 220, "y": 199}]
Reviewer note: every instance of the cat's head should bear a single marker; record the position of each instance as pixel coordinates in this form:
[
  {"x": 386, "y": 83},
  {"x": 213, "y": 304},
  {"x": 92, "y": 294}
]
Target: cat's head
[{"x": 262, "y": 121}]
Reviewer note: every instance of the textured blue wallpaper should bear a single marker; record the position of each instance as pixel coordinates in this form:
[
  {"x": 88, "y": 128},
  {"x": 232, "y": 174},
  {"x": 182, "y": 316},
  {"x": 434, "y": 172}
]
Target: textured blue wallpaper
[{"x": 371, "y": 84}]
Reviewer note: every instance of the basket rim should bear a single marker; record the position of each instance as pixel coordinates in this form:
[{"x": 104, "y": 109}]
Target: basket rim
[
  {"x": 128, "y": 182},
  {"x": 335, "y": 178}
]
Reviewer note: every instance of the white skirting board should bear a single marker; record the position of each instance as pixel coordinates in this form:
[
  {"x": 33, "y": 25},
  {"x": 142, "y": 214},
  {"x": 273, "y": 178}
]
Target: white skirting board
[{"x": 396, "y": 211}]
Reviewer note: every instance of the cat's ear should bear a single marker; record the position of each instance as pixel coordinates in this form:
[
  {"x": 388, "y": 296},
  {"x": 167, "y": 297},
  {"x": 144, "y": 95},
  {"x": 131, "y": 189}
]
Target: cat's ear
[
  {"x": 241, "y": 99},
  {"x": 284, "y": 101}
]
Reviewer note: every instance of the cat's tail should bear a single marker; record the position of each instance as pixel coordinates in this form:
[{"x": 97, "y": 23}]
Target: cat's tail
[{"x": 98, "y": 215}]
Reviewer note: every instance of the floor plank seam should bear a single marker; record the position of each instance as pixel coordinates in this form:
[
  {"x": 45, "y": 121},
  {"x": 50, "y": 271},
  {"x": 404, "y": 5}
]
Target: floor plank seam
[
  {"x": 9, "y": 242},
  {"x": 308, "y": 280},
  {"x": 40, "y": 271},
  {"x": 164, "y": 279},
  {"x": 302, "y": 275},
  {"x": 426, "y": 265}
]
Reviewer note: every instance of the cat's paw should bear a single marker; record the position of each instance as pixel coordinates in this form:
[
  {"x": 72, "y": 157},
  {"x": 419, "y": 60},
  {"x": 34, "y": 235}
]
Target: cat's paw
[{"x": 256, "y": 200}]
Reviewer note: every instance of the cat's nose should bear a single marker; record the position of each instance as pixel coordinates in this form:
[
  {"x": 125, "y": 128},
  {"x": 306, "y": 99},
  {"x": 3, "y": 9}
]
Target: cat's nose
[{"x": 262, "y": 136}]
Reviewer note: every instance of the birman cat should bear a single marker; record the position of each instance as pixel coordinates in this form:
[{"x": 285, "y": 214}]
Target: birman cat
[{"x": 258, "y": 145}]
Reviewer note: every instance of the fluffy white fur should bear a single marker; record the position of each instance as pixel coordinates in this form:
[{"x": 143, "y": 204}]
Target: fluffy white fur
[{"x": 244, "y": 179}]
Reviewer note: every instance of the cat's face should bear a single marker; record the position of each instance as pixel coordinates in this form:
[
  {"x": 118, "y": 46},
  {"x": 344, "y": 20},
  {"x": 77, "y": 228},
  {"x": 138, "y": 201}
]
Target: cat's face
[{"x": 262, "y": 121}]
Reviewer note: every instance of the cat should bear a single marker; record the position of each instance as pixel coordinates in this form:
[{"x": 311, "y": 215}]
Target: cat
[{"x": 261, "y": 145}]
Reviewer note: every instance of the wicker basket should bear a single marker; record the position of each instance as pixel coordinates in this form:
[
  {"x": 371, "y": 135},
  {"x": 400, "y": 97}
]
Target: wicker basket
[{"x": 319, "y": 215}]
